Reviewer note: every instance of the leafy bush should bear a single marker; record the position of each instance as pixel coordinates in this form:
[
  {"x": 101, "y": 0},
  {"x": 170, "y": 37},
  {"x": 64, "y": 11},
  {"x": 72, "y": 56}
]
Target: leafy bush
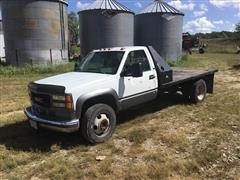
[
  {"x": 35, "y": 69},
  {"x": 177, "y": 63}
]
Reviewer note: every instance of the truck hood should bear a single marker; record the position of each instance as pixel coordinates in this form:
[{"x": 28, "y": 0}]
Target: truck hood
[{"x": 73, "y": 79}]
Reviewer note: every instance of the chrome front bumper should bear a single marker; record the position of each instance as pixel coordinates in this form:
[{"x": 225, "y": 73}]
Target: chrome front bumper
[{"x": 61, "y": 126}]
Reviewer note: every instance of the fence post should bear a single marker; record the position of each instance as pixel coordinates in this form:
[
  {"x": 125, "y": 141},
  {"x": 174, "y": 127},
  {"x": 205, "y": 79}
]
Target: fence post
[
  {"x": 61, "y": 54},
  {"x": 17, "y": 57},
  {"x": 51, "y": 56}
]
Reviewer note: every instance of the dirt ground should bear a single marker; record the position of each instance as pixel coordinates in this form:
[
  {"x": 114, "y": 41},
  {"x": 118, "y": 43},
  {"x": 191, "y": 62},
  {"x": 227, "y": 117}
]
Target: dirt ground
[{"x": 164, "y": 139}]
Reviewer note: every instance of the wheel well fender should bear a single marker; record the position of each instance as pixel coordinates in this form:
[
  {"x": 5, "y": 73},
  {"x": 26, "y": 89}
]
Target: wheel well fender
[{"x": 106, "y": 96}]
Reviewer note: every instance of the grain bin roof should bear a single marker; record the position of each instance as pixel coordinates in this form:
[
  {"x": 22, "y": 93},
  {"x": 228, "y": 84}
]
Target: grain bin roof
[
  {"x": 61, "y": 1},
  {"x": 64, "y": 2},
  {"x": 107, "y": 5},
  {"x": 158, "y": 6}
]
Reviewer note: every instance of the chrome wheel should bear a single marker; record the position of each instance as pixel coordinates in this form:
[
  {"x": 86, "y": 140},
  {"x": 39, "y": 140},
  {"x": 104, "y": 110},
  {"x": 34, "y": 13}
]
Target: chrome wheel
[
  {"x": 98, "y": 123},
  {"x": 201, "y": 92},
  {"x": 101, "y": 124}
]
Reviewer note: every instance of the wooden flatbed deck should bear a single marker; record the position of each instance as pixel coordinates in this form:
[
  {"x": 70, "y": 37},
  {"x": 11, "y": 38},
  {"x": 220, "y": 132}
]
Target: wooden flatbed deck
[
  {"x": 183, "y": 76},
  {"x": 180, "y": 74}
]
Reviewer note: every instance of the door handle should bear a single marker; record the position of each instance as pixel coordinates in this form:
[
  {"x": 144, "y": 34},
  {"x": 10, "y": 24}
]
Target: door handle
[{"x": 151, "y": 77}]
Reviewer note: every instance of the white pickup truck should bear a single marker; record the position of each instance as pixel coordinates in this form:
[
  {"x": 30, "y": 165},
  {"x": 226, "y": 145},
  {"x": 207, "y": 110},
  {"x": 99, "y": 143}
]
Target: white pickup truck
[{"x": 106, "y": 82}]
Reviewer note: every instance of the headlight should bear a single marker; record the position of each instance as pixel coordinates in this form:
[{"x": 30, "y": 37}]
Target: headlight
[
  {"x": 59, "y": 105},
  {"x": 62, "y": 101},
  {"x": 58, "y": 98}
]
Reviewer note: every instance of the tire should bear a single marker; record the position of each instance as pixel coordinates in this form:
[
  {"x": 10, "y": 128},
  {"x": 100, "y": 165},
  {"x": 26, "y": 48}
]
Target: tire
[
  {"x": 193, "y": 94},
  {"x": 198, "y": 92},
  {"x": 98, "y": 123}
]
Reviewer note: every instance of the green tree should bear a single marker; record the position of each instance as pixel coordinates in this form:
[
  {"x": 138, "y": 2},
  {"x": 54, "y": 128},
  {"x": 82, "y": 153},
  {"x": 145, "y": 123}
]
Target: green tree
[
  {"x": 237, "y": 28},
  {"x": 73, "y": 33}
]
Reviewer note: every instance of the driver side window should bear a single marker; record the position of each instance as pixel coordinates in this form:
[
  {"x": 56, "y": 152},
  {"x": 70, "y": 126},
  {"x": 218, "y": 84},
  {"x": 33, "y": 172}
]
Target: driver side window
[{"x": 137, "y": 57}]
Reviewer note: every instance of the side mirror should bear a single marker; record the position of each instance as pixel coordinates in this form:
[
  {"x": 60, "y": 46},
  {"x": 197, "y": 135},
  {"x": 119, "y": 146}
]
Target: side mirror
[{"x": 75, "y": 66}]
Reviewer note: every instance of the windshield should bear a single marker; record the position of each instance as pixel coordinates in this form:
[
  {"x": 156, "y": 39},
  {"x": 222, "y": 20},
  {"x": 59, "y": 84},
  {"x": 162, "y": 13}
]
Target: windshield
[{"x": 106, "y": 62}]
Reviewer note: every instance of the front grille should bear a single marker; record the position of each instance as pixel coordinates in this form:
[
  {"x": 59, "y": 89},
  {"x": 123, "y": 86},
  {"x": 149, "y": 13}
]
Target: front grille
[
  {"x": 52, "y": 114},
  {"x": 44, "y": 113},
  {"x": 41, "y": 99},
  {"x": 42, "y": 102}
]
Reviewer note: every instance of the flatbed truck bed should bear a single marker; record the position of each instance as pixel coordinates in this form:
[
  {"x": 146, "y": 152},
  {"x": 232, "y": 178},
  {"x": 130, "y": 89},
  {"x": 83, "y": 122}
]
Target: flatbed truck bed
[
  {"x": 184, "y": 76},
  {"x": 180, "y": 79}
]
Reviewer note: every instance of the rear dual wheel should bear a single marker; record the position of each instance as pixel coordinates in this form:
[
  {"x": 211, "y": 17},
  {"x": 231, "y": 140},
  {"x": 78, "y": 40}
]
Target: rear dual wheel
[
  {"x": 98, "y": 123},
  {"x": 197, "y": 92}
]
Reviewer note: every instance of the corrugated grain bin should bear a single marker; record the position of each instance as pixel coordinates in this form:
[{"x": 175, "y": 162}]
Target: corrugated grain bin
[
  {"x": 160, "y": 25},
  {"x": 105, "y": 23},
  {"x": 2, "y": 46},
  {"x": 36, "y": 31}
]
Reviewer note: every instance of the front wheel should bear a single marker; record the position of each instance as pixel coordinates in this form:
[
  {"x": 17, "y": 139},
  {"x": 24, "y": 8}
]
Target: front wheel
[{"x": 98, "y": 123}]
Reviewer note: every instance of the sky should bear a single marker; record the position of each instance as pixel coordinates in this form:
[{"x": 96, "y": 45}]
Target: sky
[{"x": 200, "y": 15}]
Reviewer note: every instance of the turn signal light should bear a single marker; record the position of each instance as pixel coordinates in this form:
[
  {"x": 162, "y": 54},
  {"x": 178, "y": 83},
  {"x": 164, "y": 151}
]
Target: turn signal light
[
  {"x": 68, "y": 105},
  {"x": 68, "y": 98}
]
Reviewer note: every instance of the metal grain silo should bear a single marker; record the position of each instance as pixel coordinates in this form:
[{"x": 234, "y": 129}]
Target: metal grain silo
[
  {"x": 105, "y": 23},
  {"x": 2, "y": 46},
  {"x": 160, "y": 25},
  {"x": 36, "y": 31}
]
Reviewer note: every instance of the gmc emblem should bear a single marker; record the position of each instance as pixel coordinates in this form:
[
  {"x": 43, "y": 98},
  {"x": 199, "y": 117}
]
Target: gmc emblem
[{"x": 39, "y": 100}]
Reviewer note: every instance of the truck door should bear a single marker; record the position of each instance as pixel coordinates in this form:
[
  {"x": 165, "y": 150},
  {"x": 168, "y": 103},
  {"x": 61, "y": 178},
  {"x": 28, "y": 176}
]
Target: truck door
[{"x": 136, "y": 90}]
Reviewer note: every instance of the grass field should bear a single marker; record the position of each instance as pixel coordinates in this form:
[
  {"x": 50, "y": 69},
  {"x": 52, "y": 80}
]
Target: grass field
[
  {"x": 222, "y": 45},
  {"x": 167, "y": 138}
]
